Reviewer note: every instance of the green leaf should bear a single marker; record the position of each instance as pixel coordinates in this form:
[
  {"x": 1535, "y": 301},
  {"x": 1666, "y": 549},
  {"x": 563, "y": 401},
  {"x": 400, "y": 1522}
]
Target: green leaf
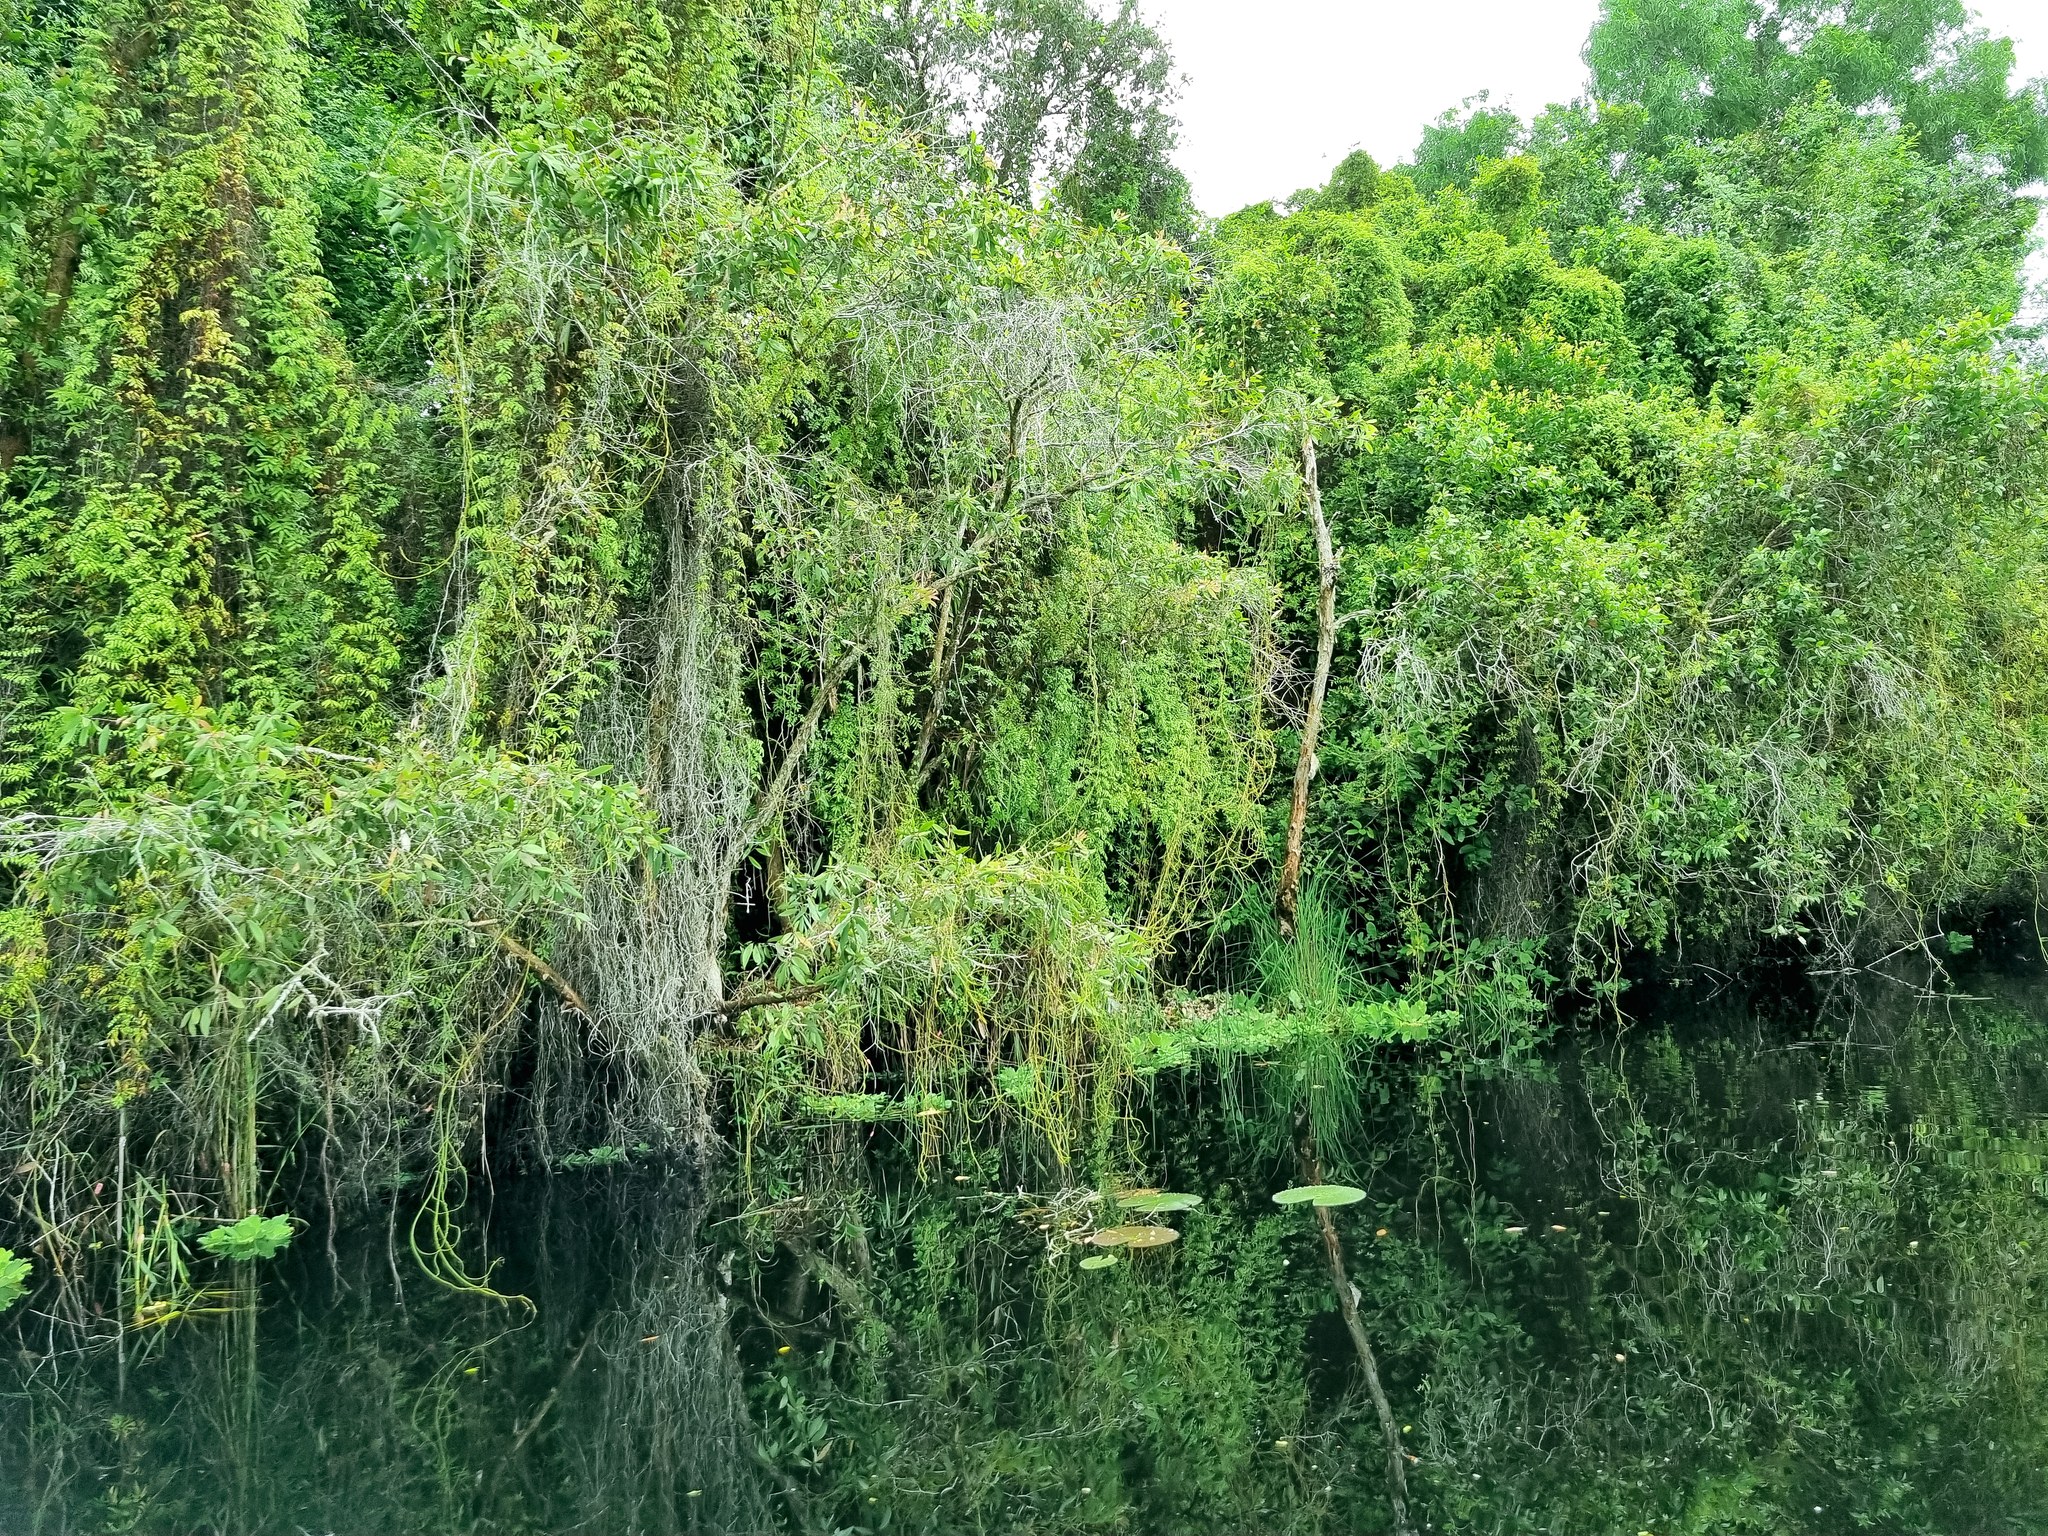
[{"x": 1159, "y": 1204}]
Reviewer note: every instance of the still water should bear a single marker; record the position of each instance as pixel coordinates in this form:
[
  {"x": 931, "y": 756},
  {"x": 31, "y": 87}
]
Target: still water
[{"x": 1770, "y": 1265}]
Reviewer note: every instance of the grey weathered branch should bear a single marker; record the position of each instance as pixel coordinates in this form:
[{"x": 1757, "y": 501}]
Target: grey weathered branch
[{"x": 1287, "y": 897}]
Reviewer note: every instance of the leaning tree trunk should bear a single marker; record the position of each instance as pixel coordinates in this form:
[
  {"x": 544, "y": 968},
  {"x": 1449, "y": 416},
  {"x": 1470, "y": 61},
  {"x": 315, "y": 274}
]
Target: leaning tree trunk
[{"x": 1287, "y": 898}]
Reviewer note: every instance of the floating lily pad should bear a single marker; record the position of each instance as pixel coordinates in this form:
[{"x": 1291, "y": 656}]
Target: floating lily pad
[
  {"x": 1155, "y": 1203},
  {"x": 1150, "y": 1237},
  {"x": 1098, "y": 1261},
  {"x": 1133, "y": 1237},
  {"x": 1320, "y": 1194}
]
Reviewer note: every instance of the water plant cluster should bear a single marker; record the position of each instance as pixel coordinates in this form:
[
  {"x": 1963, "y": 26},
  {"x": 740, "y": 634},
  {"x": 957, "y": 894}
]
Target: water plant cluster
[{"x": 597, "y": 574}]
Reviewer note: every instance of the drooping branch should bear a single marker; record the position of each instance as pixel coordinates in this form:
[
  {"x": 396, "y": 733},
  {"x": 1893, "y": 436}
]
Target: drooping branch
[
  {"x": 774, "y": 794},
  {"x": 540, "y": 968},
  {"x": 748, "y": 1001},
  {"x": 1288, "y": 896},
  {"x": 942, "y": 661},
  {"x": 940, "y": 671}
]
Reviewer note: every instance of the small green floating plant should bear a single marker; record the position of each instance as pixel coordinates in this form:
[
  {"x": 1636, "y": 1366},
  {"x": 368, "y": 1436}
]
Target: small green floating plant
[
  {"x": 1134, "y": 1238},
  {"x": 253, "y": 1237},
  {"x": 1152, "y": 1202},
  {"x": 13, "y": 1278}
]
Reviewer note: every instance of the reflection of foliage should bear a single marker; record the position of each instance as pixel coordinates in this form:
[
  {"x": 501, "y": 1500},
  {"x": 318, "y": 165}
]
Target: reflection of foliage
[
  {"x": 1797, "y": 1297},
  {"x": 1153, "y": 1392},
  {"x": 1784, "y": 1278},
  {"x": 1697, "y": 1281},
  {"x": 395, "y": 1407}
]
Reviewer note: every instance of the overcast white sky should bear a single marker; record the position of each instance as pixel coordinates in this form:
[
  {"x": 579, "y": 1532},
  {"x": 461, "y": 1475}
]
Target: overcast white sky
[{"x": 1279, "y": 90}]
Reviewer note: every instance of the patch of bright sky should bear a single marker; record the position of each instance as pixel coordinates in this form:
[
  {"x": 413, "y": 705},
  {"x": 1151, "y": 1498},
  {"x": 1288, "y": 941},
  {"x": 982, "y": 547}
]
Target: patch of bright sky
[{"x": 1278, "y": 91}]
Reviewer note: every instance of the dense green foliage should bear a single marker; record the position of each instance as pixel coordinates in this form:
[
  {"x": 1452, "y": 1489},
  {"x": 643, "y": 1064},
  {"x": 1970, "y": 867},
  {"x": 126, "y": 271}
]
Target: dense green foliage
[
  {"x": 491, "y": 484},
  {"x": 547, "y": 546},
  {"x": 1692, "y": 526}
]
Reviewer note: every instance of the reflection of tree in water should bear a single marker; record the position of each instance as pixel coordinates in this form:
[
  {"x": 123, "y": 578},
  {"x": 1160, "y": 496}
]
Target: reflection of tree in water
[
  {"x": 417, "y": 1409},
  {"x": 1798, "y": 1288},
  {"x": 655, "y": 1434},
  {"x": 1710, "y": 1280}
]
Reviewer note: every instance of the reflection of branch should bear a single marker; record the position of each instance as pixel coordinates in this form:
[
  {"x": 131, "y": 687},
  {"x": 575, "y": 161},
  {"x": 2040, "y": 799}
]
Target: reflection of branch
[
  {"x": 549, "y": 1401},
  {"x": 1347, "y": 1305},
  {"x": 798, "y": 1509},
  {"x": 843, "y": 1285}
]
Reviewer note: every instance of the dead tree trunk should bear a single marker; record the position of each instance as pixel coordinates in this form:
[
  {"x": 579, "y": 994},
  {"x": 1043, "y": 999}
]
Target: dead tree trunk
[{"x": 1288, "y": 896}]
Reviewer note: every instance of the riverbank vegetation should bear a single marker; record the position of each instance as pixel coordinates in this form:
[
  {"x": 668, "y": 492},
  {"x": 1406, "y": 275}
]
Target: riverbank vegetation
[{"x": 597, "y": 574}]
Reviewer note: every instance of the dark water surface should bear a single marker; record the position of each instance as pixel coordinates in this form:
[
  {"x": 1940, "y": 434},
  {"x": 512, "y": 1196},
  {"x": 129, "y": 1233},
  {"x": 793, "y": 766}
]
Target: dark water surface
[{"x": 1734, "y": 1268}]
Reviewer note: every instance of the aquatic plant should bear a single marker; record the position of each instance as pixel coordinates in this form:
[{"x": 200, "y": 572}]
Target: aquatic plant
[
  {"x": 253, "y": 1237},
  {"x": 1157, "y": 1202},
  {"x": 1319, "y": 1195}
]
